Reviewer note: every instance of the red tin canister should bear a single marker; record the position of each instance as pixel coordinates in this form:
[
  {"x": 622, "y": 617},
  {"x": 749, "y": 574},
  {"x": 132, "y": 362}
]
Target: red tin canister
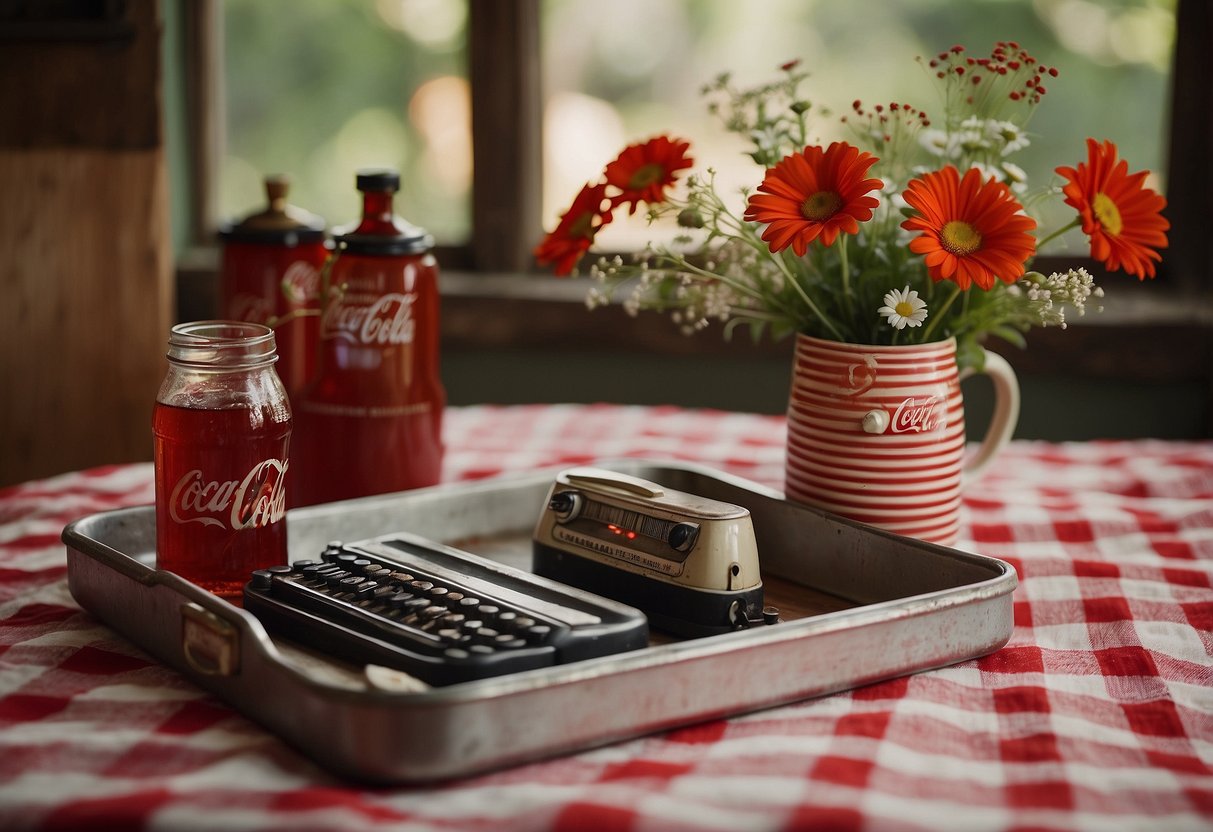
[
  {"x": 371, "y": 420},
  {"x": 271, "y": 276}
]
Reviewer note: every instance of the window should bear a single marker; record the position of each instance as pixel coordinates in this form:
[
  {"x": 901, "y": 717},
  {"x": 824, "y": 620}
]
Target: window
[
  {"x": 610, "y": 73},
  {"x": 610, "y": 81},
  {"x": 597, "y": 76},
  {"x": 319, "y": 89}
]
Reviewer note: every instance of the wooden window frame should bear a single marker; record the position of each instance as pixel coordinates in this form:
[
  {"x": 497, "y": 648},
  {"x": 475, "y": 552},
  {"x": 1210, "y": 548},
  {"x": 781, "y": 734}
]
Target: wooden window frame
[{"x": 1157, "y": 332}]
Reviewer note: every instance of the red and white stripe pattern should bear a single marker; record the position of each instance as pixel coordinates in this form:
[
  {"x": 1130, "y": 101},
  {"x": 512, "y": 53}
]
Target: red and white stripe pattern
[{"x": 904, "y": 475}]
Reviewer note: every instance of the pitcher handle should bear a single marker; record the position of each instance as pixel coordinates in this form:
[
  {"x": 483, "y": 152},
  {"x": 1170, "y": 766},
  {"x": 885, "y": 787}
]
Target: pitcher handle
[{"x": 1006, "y": 414}]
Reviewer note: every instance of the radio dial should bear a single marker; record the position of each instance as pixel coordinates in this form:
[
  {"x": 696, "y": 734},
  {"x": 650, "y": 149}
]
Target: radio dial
[
  {"x": 566, "y": 505},
  {"x": 682, "y": 537}
]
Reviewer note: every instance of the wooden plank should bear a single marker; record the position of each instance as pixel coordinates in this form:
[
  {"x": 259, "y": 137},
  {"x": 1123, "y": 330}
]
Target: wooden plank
[
  {"x": 503, "y": 50},
  {"x": 83, "y": 328},
  {"x": 84, "y": 93}
]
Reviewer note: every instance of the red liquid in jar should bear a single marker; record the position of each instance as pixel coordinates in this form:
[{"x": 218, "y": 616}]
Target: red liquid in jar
[{"x": 220, "y": 493}]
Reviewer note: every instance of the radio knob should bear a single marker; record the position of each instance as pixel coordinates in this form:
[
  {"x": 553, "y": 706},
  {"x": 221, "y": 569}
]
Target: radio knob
[
  {"x": 682, "y": 537},
  {"x": 565, "y": 505}
]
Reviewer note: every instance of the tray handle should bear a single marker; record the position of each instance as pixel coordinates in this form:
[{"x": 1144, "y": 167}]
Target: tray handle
[{"x": 210, "y": 644}]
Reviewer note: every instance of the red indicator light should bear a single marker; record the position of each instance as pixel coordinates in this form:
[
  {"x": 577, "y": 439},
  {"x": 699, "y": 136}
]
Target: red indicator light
[{"x": 631, "y": 535}]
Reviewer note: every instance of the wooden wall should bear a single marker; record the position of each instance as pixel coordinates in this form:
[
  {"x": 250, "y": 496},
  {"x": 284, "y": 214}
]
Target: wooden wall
[{"x": 85, "y": 259}]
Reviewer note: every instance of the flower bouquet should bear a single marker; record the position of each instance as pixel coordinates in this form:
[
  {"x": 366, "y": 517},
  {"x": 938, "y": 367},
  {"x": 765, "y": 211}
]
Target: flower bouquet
[
  {"x": 920, "y": 229},
  {"x": 891, "y": 257}
]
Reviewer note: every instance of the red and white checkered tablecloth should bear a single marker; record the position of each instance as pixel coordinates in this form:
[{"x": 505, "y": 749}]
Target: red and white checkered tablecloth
[{"x": 1097, "y": 715}]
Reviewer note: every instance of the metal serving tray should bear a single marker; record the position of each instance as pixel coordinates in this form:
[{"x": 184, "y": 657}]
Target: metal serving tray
[{"x": 859, "y": 605}]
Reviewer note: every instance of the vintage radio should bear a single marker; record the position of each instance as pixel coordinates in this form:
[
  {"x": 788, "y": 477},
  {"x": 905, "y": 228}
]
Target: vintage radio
[{"x": 690, "y": 563}]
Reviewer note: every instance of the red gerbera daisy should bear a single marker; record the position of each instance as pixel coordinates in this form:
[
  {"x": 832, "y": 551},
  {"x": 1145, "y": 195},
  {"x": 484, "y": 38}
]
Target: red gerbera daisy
[
  {"x": 814, "y": 193},
  {"x": 972, "y": 231},
  {"x": 1122, "y": 218},
  {"x": 573, "y": 236},
  {"x": 643, "y": 171}
]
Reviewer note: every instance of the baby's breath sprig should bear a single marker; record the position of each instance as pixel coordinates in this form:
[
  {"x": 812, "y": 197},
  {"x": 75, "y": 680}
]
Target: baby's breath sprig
[{"x": 772, "y": 116}]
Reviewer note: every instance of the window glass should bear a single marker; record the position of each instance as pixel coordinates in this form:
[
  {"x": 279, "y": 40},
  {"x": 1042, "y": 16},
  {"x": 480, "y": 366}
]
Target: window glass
[
  {"x": 620, "y": 72},
  {"x": 320, "y": 88}
]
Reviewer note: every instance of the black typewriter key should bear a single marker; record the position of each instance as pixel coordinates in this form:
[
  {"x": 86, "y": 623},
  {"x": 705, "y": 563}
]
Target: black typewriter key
[
  {"x": 383, "y": 593},
  {"x": 485, "y": 635},
  {"x": 481, "y": 649},
  {"x": 489, "y": 611},
  {"x": 424, "y": 586},
  {"x": 346, "y": 560},
  {"x": 262, "y": 579},
  {"x": 455, "y": 653},
  {"x": 334, "y": 579},
  {"x": 360, "y": 565},
  {"x": 472, "y": 626},
  {"x": 433, "y": 611},
  {"x": 523, "y": 623},
  {"x": 402, "y": 577},
  {"x": 536, "y": 633},
  {"x": 303, "y": 564},
  {"x": 365, "y": 589},
  {"x": 507, "y": 618},
  {"x": 439, "y": 593},
  {"x": 454, "y": 597},
  {"x": 469, "y": 604},
  {"x": 508, "y": 642},
  {"x": 412, "y": 604},
  {"x": 449, "y": 634},
  {"x": 348, "y": 584},
  {"x": 452, "y": 619}
]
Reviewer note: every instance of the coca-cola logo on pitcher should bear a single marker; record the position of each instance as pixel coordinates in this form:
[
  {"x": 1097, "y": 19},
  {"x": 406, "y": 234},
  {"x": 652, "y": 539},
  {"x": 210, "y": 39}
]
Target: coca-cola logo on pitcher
[
  {"x": 257, "y": 500},
  {"x": 919, "y": 415},
  {"x": 388, "y": 320}
]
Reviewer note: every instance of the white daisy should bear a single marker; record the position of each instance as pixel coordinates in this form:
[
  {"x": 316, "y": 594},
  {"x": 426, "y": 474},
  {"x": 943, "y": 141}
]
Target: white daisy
[
  {"x": 903, "y": 308},
  {"x": 1008, "y": 135}
]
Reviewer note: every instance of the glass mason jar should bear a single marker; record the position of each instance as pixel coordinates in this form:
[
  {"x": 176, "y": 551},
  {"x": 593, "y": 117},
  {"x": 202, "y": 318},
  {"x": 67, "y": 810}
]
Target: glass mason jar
[
  {"x": 222, "y": 428},
  {"x": 271, "y": 275},
  {"x": 371, "y": 420}
]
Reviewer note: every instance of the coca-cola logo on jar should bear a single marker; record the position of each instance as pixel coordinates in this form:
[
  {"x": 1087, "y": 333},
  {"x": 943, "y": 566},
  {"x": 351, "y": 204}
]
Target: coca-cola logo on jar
[
  {"x": 919, "y": 415},
  {"x": 257, "y": 500},
  {"x": 301, "y": 283},
  {"x": 387, "y": 321}
]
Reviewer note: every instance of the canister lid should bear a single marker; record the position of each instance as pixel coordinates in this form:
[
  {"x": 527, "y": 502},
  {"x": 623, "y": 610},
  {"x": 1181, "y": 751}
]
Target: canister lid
[{"x": 279, "y": 223}]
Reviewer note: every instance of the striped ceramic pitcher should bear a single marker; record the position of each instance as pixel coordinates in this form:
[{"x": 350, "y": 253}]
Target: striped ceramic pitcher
[{"x": 877, "y": 433}]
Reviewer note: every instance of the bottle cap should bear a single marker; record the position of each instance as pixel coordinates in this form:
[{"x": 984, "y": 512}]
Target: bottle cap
[
  {"x": 378, "y": 179},
  {"x": 278, "y": 223},
  {"x": 386, "y": 235}
]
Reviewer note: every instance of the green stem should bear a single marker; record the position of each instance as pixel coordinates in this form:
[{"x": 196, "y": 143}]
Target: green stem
[
  {"x": 1042, "y": 243},
  {"x": 682, "y": 264},
  {"x": 846, "y": 276},
  {"x": 787, "y": 273},
  {"x": 938, "y": 316}
]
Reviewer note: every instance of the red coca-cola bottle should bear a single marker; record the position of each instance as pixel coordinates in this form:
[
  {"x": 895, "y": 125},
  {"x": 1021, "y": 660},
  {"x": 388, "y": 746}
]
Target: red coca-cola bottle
[
  {"x": 222, "y": 428},
  {"x": 371, "y": 421},
  {"x": 271, "y": 275}
]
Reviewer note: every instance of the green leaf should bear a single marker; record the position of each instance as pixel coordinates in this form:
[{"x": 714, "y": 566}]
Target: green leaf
[
  {"x": 969, "y": 354},
  {"x": 1010, "y": 335},
  {"x": 782, "y": 329}
]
